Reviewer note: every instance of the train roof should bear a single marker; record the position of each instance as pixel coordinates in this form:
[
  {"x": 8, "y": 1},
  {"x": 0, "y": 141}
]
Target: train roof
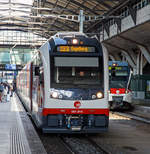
[
  {"x": 69, "y": 34},
  {"x": 62, "y": 38},
  {"x": 119, "y": 63}
]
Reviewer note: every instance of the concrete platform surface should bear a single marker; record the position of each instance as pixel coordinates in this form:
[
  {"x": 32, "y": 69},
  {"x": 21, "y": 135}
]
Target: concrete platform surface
[
  {"x": 125, "y": 136},
  {"x": 14, "y": 138}
]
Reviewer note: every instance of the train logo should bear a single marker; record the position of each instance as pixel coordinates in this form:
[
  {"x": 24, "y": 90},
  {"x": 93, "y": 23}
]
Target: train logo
[
  {"x": 77, "y": 104},
  {"x": 117, "y": 91}
]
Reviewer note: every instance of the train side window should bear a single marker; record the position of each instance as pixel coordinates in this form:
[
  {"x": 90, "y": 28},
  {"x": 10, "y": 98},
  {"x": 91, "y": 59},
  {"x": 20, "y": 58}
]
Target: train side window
[
  {"x": 41, "y": 75},
  {"x": 36, "y": 71},
  {"x": 113, "y": 72},
  {"x": 37, "y": 63}
]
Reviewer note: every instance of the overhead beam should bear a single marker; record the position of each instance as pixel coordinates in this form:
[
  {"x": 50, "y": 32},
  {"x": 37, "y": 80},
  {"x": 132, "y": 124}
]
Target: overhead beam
[
  {"x": 21, "y": 4},
  {"x": 125, "y": 52},
  {"x": 128, "y": 58},
  {"x": 130, "y": 40},
  {"x": 133, "y": 13},
  {"x": 121, "y": 4},
  {"x": 17, "y": 10},
  {"x": 104, "y": 4},
  {"x": 61, "y": 8},
  {"x": 83, "y": 6},
  {"x": 25, "y": 23}
]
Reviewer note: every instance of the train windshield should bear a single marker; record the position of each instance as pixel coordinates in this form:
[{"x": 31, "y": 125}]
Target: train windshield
[
  {"x": 74, "y": 72},
  {"x": 118, "y": 84},
  {"x": 118, "y": 78}
]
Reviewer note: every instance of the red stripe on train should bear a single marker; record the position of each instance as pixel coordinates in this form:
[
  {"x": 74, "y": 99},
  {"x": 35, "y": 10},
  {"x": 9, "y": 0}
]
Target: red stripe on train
[{"x": 75, "y": 111}]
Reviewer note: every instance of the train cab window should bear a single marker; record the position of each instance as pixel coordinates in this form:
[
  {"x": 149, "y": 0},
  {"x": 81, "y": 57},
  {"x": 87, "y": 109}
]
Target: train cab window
[
  {"x": 76, "y": 71},
  {"x": 36, "y": 70},
  {"x": 113, "y": 72},
  {"x": 118, "y": 77},
  {"x": 77, "y": 75}
]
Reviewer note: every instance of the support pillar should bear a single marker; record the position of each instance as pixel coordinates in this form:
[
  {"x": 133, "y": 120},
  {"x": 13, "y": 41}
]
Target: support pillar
[
  {"x": 145, "y": 53},
  {"x": 128, "y": 58},
  {"x": 141, "y": 64},
  {"x": 106, "y": 72},
  {"x": 138, "y": 64},
  {"x": 81, "y": 21}
]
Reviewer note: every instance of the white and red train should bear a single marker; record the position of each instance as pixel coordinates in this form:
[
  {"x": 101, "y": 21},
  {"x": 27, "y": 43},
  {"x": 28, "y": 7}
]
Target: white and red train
[
  {"x": 65, "y": 86},
  {"x": 120, "y": 96}
]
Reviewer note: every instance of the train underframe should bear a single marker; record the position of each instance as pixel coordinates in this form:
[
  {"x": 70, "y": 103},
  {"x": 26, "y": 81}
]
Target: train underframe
[
  {"x": 119, "y": 105},
  {"x": 61, "y": 123}
]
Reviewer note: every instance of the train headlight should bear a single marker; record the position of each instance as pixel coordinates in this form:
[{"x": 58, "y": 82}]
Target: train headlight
[
  {"x": 99, "y": 95},
  {"x": 74, "y": 41},
  {"x": 54, "y": 94}
]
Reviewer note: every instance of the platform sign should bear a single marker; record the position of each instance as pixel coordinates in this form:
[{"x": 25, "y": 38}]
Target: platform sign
[{"x": 10, "y": 67}]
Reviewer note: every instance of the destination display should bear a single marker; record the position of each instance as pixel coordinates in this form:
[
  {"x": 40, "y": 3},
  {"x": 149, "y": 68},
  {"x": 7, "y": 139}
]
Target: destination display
[
  {"x": 10, "y": 67},
  {"x": 117, "y": 68},
  {"x": 75, "y": 49}
]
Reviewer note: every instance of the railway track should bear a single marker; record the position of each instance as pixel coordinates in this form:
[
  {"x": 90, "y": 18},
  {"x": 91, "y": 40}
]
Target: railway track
[
  {"x": 98, "y": 146},
  {"x": 133, "y": 116},
  {"x": 70, "y": 144},
  {"x": 67, "y": 144},
  {"x": 83, "y": 144}
]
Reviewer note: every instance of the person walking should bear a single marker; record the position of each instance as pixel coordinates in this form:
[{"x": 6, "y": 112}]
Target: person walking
[{"x": 1, "y": 91}]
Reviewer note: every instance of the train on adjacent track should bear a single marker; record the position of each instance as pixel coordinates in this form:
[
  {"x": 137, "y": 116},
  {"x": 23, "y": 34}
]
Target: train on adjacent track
[
  {"x": 65, "y": 86},
  {"x": 120, "y": 95}
]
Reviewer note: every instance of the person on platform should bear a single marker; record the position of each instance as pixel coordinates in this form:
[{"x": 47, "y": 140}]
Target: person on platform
[{"x": 1, "y": 91}]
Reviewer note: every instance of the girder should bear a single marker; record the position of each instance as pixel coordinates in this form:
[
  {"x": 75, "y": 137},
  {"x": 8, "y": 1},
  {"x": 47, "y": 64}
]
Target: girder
[{"x": 32, "y": 20}]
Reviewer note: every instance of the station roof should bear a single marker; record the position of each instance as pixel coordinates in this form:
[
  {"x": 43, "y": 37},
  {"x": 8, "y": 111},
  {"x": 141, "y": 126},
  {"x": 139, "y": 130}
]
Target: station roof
[{"x": 46, "y": 17}]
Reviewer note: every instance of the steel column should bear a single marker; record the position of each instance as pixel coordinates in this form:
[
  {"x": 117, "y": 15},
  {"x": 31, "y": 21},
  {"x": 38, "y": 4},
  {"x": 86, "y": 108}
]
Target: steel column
[
  {"x": 81, "y": 18},
  {"x": 141, "y": 64},
  {"x": 138, "y": 64}
]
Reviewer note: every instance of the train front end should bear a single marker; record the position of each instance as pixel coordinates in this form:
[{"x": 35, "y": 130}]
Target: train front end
[
  {"x": 76, "y": 85},
  {"x": 120, "y": 96}
]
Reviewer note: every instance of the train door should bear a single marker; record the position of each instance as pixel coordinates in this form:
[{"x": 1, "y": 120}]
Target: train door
[{"x": 37, "y": 88}]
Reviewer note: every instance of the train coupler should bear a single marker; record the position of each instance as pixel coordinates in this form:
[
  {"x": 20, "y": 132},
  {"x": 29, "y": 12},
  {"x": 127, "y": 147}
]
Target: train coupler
[{"x": 74, "y": 123}]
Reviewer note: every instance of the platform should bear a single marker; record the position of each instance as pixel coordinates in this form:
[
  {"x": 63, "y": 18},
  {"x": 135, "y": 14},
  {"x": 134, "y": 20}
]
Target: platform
[
  {"x": 17, "y": 134},
  {"x": 142, "y": 110}
]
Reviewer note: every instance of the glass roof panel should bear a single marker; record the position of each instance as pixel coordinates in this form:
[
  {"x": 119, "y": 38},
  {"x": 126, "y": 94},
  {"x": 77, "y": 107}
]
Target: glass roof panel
[{"x": 15, "y": 8}]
